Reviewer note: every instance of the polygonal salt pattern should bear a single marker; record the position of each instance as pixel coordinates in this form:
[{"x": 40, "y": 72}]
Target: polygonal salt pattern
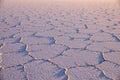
[
  {"x": 11, "y": 74},
  {"x": 44, "y": 70},
  {"x": 104, "y": 46},
  {"x": 46, "y": 51},
  {"x": 59, "y": 41},
  {"x": 110, "y": 69},
  {"x": 13, "y": 59},
  {"x": 15, "y": 47},
  {"x": 86, "y": 73},
  {"x": 112, "y": 56},
  {"x": 75, "y": 57}
]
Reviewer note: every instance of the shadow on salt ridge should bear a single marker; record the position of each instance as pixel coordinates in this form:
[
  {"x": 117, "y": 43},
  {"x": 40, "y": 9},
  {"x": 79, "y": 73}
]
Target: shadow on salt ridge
[
  {"x": 61, "y": 73},
  {"x": 0, "y": 61},
  {"x": 1, "y": 75}
]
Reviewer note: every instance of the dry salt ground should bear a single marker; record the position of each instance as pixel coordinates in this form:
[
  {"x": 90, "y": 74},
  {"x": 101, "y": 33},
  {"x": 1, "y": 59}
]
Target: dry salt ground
[{"x": 59, "y": 41}]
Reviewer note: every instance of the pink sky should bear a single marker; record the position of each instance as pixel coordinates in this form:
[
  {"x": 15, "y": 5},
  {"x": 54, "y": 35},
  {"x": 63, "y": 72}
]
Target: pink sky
[{"x": 64, "y": 0}]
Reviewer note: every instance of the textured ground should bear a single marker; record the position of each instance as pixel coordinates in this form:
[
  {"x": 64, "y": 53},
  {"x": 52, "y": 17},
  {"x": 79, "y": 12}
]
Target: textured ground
[{"x": 60, "y": 42}]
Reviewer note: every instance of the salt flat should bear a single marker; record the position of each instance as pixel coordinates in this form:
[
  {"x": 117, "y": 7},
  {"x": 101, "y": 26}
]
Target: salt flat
[{"x": 59, "y": 40}]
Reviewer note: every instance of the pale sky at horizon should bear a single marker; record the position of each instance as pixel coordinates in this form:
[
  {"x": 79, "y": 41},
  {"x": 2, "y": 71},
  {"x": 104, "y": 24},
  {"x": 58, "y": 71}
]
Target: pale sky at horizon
[
  {"x": 65, "y": 0},
  {"x": 72, "y": 1}
]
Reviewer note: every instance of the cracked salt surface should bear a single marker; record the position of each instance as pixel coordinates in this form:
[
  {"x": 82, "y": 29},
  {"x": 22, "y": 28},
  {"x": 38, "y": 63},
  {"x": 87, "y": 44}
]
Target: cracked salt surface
[
  {"x": 86, "y": 73},
  {"x": 59, "y": 41},
  {"x": 110, "y": 69},
  {"x": 76, "y": 57},
  {"x": 40, "y": 52},
  {"x": 13, "y": 59},
  {"x": 44, "y": 70}
]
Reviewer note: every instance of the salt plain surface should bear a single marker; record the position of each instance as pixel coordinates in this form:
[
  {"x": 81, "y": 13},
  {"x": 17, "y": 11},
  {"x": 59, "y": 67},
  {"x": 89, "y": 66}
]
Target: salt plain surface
[{"x": 59, "y": 41}]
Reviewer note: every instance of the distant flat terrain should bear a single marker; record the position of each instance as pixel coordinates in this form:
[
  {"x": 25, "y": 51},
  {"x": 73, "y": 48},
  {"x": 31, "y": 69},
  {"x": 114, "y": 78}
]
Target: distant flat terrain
[{"x": 59, "y": 40}]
